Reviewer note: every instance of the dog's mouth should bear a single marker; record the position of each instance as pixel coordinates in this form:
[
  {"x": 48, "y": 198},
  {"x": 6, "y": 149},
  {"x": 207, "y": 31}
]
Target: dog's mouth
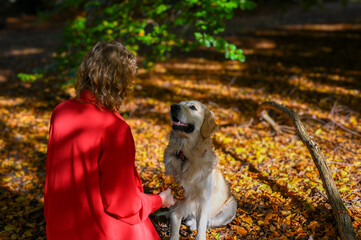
[{"x": 179, "y": 126}]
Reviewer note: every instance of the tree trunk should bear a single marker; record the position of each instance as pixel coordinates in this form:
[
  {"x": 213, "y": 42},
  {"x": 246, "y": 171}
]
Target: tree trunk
[{"x": 343, "y": 219}]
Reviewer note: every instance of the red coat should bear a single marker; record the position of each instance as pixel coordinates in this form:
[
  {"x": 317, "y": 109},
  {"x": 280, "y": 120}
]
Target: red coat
[{"x": 92, "y": 188}]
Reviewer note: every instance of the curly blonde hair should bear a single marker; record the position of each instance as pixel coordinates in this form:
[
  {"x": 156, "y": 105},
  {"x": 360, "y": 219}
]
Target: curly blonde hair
[{"x": 108, "y": 71}]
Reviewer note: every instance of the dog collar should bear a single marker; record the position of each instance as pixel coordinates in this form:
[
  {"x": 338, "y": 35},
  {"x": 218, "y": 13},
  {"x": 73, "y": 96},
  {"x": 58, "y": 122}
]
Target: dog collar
[
  {"x": 181, "y": 156},
  {"x": 204, "y": 153}
]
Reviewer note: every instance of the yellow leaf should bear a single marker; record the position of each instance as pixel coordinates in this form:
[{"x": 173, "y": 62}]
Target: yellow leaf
[
  {"x": 247, "y": 219},
  {"x": 313, "y": 225},
  {"x": 269, "y": 216},
  {"x": 353, "y": 120},
  {"x": 9, "y": 228},
  {"x": 28, "y": 233},
  {"x": 15, "y": 236},
  {"x": 318, "y": 131},
  {"x": 7, "y": 179},
  {"x": 239, "y": 150},
  {"x": 343, "y": 189},
  {"x": 343, "y": 173},
  {"x": 240, "y": 230},
  {"x": 20, "y": 199}
]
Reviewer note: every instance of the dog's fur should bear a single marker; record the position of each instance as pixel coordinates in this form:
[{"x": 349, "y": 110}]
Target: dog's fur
[{"x": 190, "y": 158}]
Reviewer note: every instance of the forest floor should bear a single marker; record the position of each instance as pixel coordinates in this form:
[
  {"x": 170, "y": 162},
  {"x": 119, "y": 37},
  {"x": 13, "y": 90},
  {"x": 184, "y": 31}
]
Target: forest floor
[{"x": 312, "y": 65}]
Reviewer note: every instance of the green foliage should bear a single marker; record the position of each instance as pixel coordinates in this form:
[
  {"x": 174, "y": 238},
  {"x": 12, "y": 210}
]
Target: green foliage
[
  {"x": 230, "y": 50},
  {"x": 150, "y": 28},
  {"x": 25, "y": 77}
]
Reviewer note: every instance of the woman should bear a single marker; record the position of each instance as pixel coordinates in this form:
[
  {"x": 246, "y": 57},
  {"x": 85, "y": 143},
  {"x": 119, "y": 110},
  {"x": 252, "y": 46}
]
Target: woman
[{"x": 92, "y": 188}]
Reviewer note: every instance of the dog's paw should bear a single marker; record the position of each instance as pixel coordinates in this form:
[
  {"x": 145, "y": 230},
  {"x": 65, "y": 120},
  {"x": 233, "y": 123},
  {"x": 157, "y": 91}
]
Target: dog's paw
[{"x": 191, "y": 223}]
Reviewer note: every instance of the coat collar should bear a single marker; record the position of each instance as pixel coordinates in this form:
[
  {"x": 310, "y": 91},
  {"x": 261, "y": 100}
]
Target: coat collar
[{"x": 88, "y": 96}]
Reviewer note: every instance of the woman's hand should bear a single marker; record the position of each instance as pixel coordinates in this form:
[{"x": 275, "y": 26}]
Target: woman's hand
[{"x": 167, "y": 198}]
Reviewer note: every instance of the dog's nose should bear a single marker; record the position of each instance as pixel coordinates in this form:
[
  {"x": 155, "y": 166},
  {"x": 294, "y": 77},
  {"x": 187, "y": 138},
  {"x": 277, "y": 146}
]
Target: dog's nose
[{"x": 174, "y": 107}]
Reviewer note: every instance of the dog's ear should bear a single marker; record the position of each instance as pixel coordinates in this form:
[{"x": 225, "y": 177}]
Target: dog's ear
[{"x": 209, "y": 124}]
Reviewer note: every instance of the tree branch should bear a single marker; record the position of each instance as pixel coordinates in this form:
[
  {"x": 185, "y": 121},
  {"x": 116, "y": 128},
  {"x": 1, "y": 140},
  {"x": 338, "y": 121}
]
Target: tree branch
[
  {"x": 343, "y": 219},
  {"x": 271, "y": 122}
]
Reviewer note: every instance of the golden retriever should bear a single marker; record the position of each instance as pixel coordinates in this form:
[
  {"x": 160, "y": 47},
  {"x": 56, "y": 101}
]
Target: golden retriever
[{"x": 190, "y": 158}]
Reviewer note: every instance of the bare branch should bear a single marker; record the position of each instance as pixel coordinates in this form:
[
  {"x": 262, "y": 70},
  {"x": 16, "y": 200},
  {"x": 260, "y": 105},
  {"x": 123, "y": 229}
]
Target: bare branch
[
  {"x": 271, "y": 122},
  {"x": 343, "y": 163},
  {"x": 346, "y": 129},
  {"x": 343, "y": 219},
  {"x": 356, "y": 190}
]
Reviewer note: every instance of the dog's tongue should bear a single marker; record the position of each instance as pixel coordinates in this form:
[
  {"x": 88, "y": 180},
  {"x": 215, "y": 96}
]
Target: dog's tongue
[{"x": 179, "y": 123}]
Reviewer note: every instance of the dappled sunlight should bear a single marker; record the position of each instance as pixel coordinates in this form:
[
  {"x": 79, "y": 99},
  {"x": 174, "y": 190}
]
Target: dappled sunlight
[
  {"x": 324, "y": 27},
  {"x": 25, "y": 51},
  {"x": 268, "y": 174},
  {"x": 306, "y": 83},
  {"x": 313, "y": 69},
  {"x": 26, "y": 22},
  {"x": 6, "y": 102},
  {"x": 304, "y": 33},
  {"x": 264, "y": 44},
  {"x": 191, "y": 64},
  {"x": 4, "y": 75},
  {"x": 254, "y": 43}
]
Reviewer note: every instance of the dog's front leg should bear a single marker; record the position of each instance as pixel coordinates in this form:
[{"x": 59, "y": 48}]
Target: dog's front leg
[
  {"x": 202, "y": 219},
  {"x": 175, "y": 223}
]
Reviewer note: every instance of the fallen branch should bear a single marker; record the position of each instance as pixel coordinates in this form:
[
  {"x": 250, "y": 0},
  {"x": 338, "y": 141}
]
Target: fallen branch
[
  {"x": 346, "y": 129},
  {"x": 271, "y": 122},
  {"x": 356, "y": 190},
  {"x": 343, "y": 163},
  {"x": 322, "y": 194},
  {"x": 324, "y": 122},
  {"x": 343, "y": 219},
  {"x": 34, "y": 211},
  {"x": 337, "y": 145},
  {"x": 279, "y": 129},
  {"x": 333, "y": 110}
]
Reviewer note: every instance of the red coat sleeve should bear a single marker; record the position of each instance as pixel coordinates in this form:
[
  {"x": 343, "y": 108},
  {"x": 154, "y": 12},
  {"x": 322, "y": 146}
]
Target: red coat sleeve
[
  {"x": 121, "y": 195},
  {"x": 49, "y": 151}
]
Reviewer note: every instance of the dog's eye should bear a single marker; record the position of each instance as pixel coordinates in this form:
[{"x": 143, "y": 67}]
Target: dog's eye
[{"x": 193, "y": 108}]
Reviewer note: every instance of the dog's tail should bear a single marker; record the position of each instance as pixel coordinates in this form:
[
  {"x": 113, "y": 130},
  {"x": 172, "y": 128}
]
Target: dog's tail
[{"x": 165, "y": 213}]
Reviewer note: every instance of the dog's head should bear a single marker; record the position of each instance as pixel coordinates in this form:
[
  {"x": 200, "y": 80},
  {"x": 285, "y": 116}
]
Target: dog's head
[{"x": 192, "y": 117}]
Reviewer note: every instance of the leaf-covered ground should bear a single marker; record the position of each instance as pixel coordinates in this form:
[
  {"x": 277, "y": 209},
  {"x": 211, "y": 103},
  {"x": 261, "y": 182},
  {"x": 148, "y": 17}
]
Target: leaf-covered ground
[{"x": 314, "y": 69}]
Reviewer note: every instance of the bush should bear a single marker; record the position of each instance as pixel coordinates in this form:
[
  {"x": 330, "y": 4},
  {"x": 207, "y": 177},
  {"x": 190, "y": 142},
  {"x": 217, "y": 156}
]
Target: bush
[{"x": 150, "y": 28}]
